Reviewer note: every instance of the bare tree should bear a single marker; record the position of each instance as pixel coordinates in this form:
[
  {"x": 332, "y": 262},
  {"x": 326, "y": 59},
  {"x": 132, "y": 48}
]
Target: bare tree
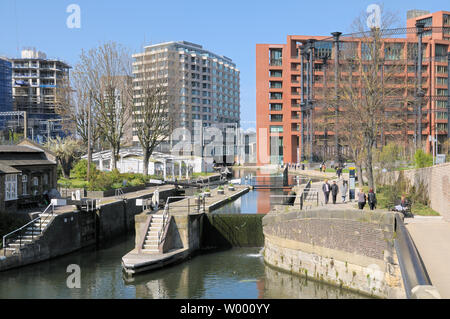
[
  {"x": 104, "y": 75},
  {"x": 373, "y": 92},
  {"x": 156, "y": 96}
]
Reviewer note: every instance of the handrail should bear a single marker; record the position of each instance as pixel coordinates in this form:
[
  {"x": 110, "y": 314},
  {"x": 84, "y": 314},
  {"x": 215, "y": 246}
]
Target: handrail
[
  {"x": 411, "y": 265},
  {"x": 51, "y": 205}
]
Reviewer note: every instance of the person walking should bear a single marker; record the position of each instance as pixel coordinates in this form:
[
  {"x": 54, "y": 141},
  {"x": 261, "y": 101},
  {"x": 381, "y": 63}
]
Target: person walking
[
  {"x": 361, "y": 199},
  {"x": 372, "y": 199},
  {"x": 326, "y": 188},
  {"x": 334, "y": 191},
  {"x": 344, "y": 190},
  {"x": 339, "y": 172}
]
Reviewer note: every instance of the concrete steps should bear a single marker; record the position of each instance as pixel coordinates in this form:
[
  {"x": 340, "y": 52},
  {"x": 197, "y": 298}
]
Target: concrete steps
[
  {"x": 151, "y": 239},
  {"x": 30, "y": 234}
]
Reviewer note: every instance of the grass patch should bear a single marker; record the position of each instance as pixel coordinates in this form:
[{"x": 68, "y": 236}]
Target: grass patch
[
  {"x": 423, "y": 210},
  {"x": 202, "y": 174}
]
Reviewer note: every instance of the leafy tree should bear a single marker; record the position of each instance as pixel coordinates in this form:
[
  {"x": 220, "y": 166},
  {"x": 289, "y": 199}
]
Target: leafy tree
[
  {"x": 67, "y": 151},
  {"x": 423, "y": 159}
]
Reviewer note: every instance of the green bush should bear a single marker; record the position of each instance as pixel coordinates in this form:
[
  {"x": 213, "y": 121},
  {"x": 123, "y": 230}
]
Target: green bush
[
  {"x": 136, "y": 182},
  {"x": 79, "y": 171},
  {"x": 422, "y": 159},
  {"x": 101, "y": 182}
]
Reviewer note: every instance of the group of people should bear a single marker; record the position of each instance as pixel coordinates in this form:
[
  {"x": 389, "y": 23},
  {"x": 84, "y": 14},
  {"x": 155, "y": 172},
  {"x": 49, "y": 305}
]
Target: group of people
[
  {"x": 333, "y": 189},
  {"x": 294, "y": 166}
]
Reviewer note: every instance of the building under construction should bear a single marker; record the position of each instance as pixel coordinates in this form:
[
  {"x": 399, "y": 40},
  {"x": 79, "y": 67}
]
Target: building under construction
[{"x": 35, "y": 83}]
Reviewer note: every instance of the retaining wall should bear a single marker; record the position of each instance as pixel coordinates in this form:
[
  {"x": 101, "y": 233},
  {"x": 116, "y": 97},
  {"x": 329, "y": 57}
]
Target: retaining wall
[
  {"x": 351, "y": 249},
  {"x": 436, "y": 180}
]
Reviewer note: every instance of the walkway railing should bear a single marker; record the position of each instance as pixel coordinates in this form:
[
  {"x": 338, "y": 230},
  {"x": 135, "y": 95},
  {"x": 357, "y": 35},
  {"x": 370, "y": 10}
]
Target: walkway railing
[
  {"x": 18, "y": 234},
  {"x": 413, "y": 269}
]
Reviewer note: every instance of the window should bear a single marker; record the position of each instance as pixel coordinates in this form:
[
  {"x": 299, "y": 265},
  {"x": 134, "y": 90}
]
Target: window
[
  {"x": 276, "y": 117},
  {"x": 276, "y": 85},
  {"x": 276, "y": 96},
  {"x": 10, "y": 187},
  {"x": 275, "y": 73},
  {"x": 24, "y": 184},
  {"x": 323, "y": 49},
  {"x": 276, "y": 106},
  {"x": 441, "y": 92},
  {"x": 275, "y": 57},
  {"x": 276, "y": 129},
  {"x": 441, "y": 69},
  {"x": 441, "y": 81},
  {"x": 393, "y": 51}
]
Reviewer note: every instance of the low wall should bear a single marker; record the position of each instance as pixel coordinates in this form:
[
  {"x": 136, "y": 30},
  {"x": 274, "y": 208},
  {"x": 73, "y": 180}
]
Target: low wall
[
  {"x": 232, "y": 230},
  {"x": 71, "y": 231},
  {"x": 66, "y": 233},
  {"x": 351, "y": 249},
  {"x": 436, "y": 180}
]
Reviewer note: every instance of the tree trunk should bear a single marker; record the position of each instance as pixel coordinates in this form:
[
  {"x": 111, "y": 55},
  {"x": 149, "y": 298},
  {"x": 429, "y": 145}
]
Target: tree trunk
[
  {"x": 360, "y": 175},
  {"x": 146, "y": 160},
  {"x": 369, "y": 168},
  {"x": 113, "y": 159}
]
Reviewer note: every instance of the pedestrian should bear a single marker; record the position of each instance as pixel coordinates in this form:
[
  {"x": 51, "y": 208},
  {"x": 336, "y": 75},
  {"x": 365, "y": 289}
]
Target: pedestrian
[
  {"x": 326, "y": 188},
  {"x": 339, "y": 172},
  {"x": 334, "y": 191},
  {"x": 361, "y": 199},
  {"x": 344, "y": 190},
  {"x": 372, "y": 199}
]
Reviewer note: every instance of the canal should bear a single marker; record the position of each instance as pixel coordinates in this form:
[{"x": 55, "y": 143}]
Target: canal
[{"x": 238, "y": 273}]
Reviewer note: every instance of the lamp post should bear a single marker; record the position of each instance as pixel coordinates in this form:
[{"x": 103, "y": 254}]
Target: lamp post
[
  {"x": 336, "y": 36},
  {"x": 310, "y": 98},
  {"x": 420, "y": 94}
]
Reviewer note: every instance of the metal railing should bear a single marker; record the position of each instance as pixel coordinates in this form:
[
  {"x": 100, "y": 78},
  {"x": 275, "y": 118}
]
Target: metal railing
[
  {"x": 118, "y": 193},
  {"x": 198, "y": 207},
  {"x": 412, "y": 267},
  {"x": 19, "y": 233}
]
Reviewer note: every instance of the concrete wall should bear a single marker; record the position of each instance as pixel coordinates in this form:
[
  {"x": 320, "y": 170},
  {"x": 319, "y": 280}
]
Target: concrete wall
[
  {"x": 437, "y": 182},
  {"x": 66, "y": 233},
  {"x": 350, "y": 249}
]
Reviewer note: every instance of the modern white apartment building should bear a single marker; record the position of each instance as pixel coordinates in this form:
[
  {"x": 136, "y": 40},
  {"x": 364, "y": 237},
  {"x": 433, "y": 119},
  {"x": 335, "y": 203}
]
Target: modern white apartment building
[
  {"x": 35, "y": 81},
  {"x": 204, "y": 86}
]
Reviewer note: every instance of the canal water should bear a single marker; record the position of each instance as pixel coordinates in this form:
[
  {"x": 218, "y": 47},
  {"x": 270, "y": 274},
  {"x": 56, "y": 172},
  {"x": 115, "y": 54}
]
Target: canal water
[{"x": 238, "y": 273}]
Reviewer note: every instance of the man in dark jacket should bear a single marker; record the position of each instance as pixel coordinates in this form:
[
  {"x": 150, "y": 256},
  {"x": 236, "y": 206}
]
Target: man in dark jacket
[
  {"x": 334, "y": 191},
  {"x": 372, "y": 199},
  {"x": 326, "y": 188}
]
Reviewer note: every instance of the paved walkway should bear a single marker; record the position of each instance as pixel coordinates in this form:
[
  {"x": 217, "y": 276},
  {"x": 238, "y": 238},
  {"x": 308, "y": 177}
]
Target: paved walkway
[{"x": 431, "y": 236}]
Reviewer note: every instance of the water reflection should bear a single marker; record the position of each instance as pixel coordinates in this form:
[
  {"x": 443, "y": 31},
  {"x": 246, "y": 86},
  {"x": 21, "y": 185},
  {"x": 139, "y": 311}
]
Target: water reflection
[{"x": 258, "y": 201}]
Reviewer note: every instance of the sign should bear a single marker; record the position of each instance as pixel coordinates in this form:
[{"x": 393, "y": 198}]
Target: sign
[
  {"x": 440, "y": 159},
  {"x": 351, "y": 183}
]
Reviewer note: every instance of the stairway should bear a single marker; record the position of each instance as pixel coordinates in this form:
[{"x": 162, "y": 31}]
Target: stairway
[
  {"x": 151, "y": 239},
  {"x": 29, "y": 234}
]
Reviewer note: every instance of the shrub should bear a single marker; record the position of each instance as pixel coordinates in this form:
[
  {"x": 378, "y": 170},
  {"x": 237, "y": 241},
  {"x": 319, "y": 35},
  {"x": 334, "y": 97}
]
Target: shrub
[
  {"x": 79, "y": 171},
  {"x": 422, "y": 159},
  {"x": 136, "y": 182},
  {"x": 101, "y": 182}
]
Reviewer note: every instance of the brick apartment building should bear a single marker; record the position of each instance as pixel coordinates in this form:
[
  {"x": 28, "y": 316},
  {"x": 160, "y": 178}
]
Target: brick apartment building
[{"x": 279, "y": 91}]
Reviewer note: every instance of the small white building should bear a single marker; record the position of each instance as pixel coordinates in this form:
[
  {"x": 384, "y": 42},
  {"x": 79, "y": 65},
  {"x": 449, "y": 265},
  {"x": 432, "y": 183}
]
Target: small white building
[{"x": 131, "y": 160}]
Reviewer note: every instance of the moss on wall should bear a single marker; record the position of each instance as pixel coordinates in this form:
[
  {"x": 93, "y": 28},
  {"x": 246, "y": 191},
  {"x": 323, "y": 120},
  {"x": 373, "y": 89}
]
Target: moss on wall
[{"x": 232, "y": 230}]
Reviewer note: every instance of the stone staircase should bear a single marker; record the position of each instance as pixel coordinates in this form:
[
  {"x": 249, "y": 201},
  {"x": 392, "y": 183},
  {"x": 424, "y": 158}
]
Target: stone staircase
[
  {"x": 150, "y": 245},
  {"x": 29, "y": 234}
]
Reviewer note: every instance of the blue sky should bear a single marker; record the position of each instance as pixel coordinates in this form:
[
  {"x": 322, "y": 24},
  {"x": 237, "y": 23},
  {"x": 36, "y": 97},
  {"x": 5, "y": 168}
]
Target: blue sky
[{"x": 227, "y": 27}]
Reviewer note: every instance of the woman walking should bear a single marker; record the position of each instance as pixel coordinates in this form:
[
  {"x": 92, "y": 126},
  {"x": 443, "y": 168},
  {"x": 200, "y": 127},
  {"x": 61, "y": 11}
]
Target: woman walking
[
  {"x": 361, "y": 199},
  {"x": 372, "y": 199},
  {"x": 344, "y": 190}
]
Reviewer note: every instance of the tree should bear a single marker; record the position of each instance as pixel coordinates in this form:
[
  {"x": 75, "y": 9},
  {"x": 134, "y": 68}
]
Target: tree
[
  {"x": 156, "y": 101},
  {"x": 373, "y": 94},
  {"x": 103, "y": 79},
  {"x": 67, "y": 151}
]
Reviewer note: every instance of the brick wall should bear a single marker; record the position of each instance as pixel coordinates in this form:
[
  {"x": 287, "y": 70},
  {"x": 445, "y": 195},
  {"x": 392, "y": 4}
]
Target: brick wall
[{"x": 437, "y": 182}]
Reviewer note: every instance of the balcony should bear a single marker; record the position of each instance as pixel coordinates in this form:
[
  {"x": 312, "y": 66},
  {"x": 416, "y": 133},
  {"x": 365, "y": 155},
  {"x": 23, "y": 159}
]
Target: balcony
[{"x": 276, "y": 62}]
